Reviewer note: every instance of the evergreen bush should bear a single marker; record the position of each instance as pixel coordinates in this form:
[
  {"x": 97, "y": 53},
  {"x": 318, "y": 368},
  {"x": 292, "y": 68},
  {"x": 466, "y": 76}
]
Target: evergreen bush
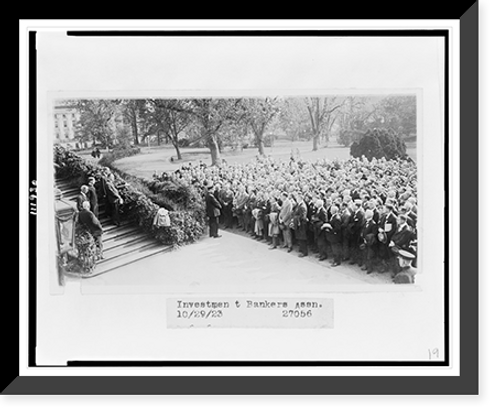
[{"x": 379, "y": 143}]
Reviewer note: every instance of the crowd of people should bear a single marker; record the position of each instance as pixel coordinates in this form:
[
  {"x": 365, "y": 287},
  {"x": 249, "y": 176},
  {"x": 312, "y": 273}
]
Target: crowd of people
[{"x": 352, "y": 211}]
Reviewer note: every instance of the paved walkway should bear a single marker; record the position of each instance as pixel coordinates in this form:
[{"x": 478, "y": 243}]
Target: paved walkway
[{"x": 233, "y": 263}]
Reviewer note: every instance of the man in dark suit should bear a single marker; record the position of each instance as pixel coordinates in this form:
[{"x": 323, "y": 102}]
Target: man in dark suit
[
  {"x": 92, "y": 195},
  {"x": 404, "y": 235},
  {"x": 114, "y": 199},
  {"x": 226, "y": 198},
  {"x": 346, "y": 231},
  {"x": 333, "y": 234},
  {"x": 388, "y": 225},
  {"x": 301, "y": 223},
  {"x": 213, "y": 210},
  {"x": 319, "y": 218},
  {"x": 285, "y": 219},
  {"x": 89, "y": 221},
  {"x": 358, "y": 222},
  {"x": 82, "y": 197},
  {"x": 369, "y": 241},
  {"x": 402, "y": 239}
]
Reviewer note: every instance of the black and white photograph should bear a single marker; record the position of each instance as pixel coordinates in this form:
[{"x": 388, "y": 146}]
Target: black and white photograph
[
  {"x": 331, "y": 179},
  {"x": 267, "y": 200}
]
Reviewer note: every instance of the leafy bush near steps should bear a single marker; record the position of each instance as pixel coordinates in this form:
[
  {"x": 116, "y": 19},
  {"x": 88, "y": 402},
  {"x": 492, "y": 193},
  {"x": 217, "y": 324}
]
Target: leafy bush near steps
[
  {"x": 142, "y": 199},
  {"x": 119, "y": 153}
]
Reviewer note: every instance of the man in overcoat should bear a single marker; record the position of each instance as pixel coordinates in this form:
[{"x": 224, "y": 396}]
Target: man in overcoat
[
  {"x": 319, "y": 218},
  {"x": 284, "y": 220},
  {"x": 87, "y": 218},
  {"x": 388, "y": 225},
  {"x": 92, "y": 195},
  {"x": 369, "y": 241},
  {"x": 346, "y": 231},
  {"x": 82, "y": 197},
  {"x": 213, "y": 210},
  {"x": 402, "y": 239},
  {"x": 358, "y": 222},
  {"x": 407, "y": 272},
  {"x": 332, "y": 230},
  {"x": 301, "y": 223},
  {"x": 114, "y": 199}
]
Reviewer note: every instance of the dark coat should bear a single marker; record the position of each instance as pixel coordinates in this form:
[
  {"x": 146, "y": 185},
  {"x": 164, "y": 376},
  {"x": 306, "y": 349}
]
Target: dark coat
[
  {"x": 358, "y": 222},
  {"x": 80, "y": 199},
  {"x": 388, "y": 223},
  {"x": 369, "y": 233},
  {"x": 90, "y": 222},
  {"x": 213, "y": 206},
  {"x": 226, "y": 197},
  {"x": 402, "y": 238},
  {"x": 319, "y": 217},
  {"x": 300, "y": 221},
  {"x": 94, "y": 204},
  {"x": 334, "y": 235},
  {"x": 346, "y": 224},
  {"x": 112, "y": 192},
  {"x": 100, "y": 185}
]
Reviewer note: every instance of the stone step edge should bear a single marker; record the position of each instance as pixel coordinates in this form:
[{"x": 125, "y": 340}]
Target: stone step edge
[
  {"x": 100, "y": 271},
  {"x": 126, "y": 250},
  {"x": 117, "y": 243}
]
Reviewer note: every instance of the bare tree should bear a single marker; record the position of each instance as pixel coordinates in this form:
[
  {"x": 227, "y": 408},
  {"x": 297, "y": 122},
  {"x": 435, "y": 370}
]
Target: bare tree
[
  {"x": 212, "y": 114},
  {"x": 170, "y": 117},
  {"x": 320, "y": 110},
  {"x": 258, "y": 113}
]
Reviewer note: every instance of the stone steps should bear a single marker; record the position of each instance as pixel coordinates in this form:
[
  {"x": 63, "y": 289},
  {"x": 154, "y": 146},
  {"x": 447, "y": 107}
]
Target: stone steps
[
  {"x": 103, "y": 267},
  {"x": 122, "y": 245}
]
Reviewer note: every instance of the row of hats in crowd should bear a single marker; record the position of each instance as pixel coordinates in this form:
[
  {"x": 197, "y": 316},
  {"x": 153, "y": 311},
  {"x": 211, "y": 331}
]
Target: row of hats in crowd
[{"x": 371, "y": 183}]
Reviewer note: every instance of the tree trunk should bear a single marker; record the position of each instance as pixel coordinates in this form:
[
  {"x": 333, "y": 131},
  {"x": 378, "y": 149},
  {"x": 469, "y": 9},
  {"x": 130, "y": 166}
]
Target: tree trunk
[
  {"x": 178, "y": 151},
  {"x": 214, "y": 151},
  {"x": 135, "y": 131},
  {"x": 315, "y": 141},
  {"x": 259, "y": 141}
]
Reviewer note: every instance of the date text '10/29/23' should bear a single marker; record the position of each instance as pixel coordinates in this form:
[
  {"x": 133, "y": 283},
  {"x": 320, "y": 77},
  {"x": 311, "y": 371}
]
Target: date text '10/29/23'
[{"x": 250, "y": 313}]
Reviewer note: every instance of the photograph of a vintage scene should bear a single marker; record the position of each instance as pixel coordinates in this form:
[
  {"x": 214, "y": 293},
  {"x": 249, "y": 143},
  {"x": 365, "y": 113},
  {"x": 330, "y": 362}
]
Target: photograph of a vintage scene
[{"x": 287, "y": 190}]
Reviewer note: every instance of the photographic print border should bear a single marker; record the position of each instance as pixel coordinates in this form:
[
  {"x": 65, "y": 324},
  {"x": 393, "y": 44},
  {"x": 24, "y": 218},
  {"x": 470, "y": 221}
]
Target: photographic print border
[{"x": 252, "y": 363}]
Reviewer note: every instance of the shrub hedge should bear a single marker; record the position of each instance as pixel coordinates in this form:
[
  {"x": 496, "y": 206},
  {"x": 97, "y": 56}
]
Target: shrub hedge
[
  {"x": 379, "y": 143},
  {"x": 118, "y": 153},
  {"x": 142, "y": 199}
]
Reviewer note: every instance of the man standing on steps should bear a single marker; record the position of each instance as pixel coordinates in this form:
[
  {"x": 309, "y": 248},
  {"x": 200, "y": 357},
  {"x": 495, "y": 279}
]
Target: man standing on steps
[
  {"x": 82, "y": 196},
  {"x": 92, "y": 195},
  {"x": 87, "y": 218},
  {"x": 114, "y": 199},
  {"x": 213, "y": 209}
]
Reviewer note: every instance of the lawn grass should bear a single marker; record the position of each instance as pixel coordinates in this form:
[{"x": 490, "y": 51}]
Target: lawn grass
[{"x": 163, "y": 158}]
